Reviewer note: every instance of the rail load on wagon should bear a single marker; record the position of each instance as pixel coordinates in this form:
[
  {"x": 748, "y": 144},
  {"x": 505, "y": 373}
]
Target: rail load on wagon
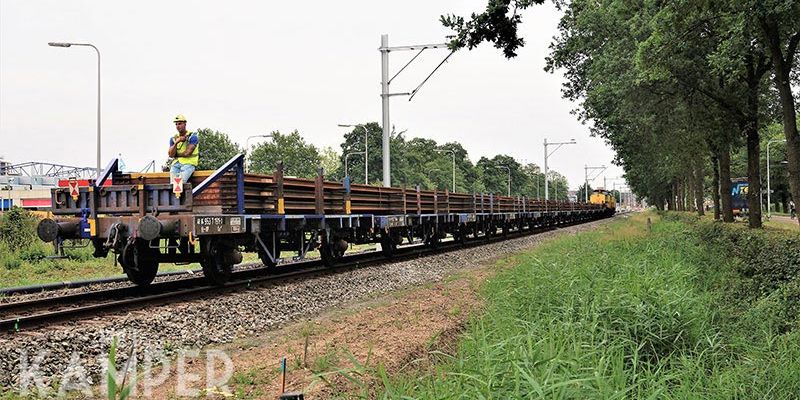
[{"x": 145, "y": 220}]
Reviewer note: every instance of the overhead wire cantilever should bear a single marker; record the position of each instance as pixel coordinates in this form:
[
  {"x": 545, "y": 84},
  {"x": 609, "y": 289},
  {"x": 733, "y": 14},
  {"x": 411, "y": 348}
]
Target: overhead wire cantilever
[{"x": 414, "y": 92}]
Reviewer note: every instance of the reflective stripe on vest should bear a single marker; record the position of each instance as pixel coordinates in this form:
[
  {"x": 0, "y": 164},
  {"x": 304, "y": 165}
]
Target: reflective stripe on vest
[{"x": 194, "y": 158}]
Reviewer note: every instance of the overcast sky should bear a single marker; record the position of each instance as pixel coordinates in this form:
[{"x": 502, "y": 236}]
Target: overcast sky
[{"x": 249, "y": 68}]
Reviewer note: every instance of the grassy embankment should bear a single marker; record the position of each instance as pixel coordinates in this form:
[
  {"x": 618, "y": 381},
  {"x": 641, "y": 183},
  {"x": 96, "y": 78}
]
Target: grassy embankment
[{"x": 625, "y": 313}]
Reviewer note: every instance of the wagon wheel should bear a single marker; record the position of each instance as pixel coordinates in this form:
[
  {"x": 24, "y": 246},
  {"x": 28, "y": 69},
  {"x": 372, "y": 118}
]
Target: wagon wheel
[
  {"x": 330, "y": 253},
  {"x": 432, "y": 239},
  {"x": 491, "y": 232},
  {"x": 460, "y": 235},
  {"x": 217, "y": 268},
  {"x": 389, "y": 243},
  {"x": 139, "y": 262}
]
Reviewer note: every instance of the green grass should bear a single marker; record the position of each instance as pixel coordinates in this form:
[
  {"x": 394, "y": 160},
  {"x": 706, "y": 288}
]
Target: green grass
[
  {"x": 782, "y": 223},
  {"x": 620, "y": 313},
  {"x": 30, "y": 265}
]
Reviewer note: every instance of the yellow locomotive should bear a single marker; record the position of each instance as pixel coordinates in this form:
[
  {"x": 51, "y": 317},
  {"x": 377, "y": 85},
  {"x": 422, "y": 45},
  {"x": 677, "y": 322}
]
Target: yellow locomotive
[{"x": 605, "y": 197}]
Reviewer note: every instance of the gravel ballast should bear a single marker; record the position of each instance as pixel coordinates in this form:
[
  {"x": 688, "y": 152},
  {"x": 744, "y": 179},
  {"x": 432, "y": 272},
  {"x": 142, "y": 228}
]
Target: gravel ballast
[{"x": 238, "y": 314}]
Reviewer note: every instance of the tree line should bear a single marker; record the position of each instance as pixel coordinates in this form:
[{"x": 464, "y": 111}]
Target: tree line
[
  {"x": 415, "y": 161},
  {"x": 688, "y": 93}
]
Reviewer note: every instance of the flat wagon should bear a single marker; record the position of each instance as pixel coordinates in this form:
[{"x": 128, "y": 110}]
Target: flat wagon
[{"x": 145, "y": 220}]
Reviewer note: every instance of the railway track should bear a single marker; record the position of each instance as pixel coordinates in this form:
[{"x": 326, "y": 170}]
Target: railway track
[
  {"x": 23, "y": 315},
  {"x": 47, "y": 287}
]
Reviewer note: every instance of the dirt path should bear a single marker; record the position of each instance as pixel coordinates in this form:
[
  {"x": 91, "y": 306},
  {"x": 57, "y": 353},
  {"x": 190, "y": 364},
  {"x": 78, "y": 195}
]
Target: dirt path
[{"x": 394, "y": 332}]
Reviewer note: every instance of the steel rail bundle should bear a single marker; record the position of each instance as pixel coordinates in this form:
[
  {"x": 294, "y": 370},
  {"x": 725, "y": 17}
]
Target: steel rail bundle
[{"x": 146, "y": 220}]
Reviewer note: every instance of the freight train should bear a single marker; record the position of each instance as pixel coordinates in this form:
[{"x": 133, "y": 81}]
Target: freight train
[{"x": 145, "y": 220}]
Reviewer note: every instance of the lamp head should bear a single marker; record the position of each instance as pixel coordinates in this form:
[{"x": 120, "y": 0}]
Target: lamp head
[{"x": 59, "y": 44}]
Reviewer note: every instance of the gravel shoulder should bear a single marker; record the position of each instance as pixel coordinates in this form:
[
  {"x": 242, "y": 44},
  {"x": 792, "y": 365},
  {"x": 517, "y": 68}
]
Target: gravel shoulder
[{"x": 256, "y": 327}]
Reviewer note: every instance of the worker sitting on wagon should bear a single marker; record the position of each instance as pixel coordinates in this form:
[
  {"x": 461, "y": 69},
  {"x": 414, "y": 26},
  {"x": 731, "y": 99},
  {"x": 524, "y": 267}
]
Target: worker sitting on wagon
[{"x": 185, "y": 149}]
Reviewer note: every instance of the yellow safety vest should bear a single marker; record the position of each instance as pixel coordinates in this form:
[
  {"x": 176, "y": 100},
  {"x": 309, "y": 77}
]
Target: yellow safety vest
[{"x": 192, "y": 159}]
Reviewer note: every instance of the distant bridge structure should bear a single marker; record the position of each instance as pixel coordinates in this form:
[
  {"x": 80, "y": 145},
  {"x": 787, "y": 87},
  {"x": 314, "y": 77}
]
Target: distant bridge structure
[{"x": 42, "y": 169}]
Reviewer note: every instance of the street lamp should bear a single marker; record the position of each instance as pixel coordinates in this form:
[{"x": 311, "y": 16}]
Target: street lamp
[
  {"x": 586, "y": 179},
  {"x": 366, "y": 150},
  {"x": 247, "y": 146},
  {"x": 62, "y": 44},
  {"x": 769, "y": 190},
  {"x": 453, "y": 153},
  {"x": 508, "y": 192},
  {"x": 546, "y": 155},
  {"x": 346, "y": 156}
]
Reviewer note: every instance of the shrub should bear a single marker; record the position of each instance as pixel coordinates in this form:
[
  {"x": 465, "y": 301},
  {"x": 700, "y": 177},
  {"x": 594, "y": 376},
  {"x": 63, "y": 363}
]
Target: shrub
[
  {"x": 18, "y": 228},
  {"x": 12, "y": 263},
  {"x": 769, "y": 258},
  {"x": 33, "y": 252}
]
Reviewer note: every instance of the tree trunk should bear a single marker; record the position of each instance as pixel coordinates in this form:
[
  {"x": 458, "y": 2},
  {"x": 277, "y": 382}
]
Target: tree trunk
[
  {"x": 672, "y": 193},
  {"x": 715, "y": 186},
  {"x": 725, "y": 183},
  {"x": 782, "y": 66},
  {"x": 750, "y": 130},
  {"x": 699, "y": 194},
  {"x": 688, "y": 189},
  {"x": 687, "y": 192}
]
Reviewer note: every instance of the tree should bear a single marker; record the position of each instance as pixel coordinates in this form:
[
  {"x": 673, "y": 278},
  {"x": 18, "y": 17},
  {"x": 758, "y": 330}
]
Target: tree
[
  {"x": 216, "y": 148},
  {"x": 354, "y": 142},
  {"x": 424, "y": 162},
  {"x": 582, "y": 192},
  {"x": 714, "y": 52},
  {"x": 299, "y": 158},
  {"x": 497, "y": 24},
  {"x": 536, "y": 177},
  {"x": 682, "y": 70},
  {"x": 558, "y": 186},
  {"x": 780, "y": 34},
  {"x": 329, "y": 160}
]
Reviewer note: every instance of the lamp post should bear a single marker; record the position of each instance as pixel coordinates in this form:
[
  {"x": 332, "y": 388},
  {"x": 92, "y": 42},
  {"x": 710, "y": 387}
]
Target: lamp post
[
  {"x": 366, "y": 149},
  {"x": 347, "y": 156},
  {"x": 555, "y": 190},
  {"x": 546, "y": 155},
  {"x": 769, "y": 190},
  {"x": 508, "y": 191},
  {"x": 453, "y": 153},
  {"x": 64, "y": 44},
  {"x": 247, "y": 147},
  {"x": 586, "y": 169}
]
